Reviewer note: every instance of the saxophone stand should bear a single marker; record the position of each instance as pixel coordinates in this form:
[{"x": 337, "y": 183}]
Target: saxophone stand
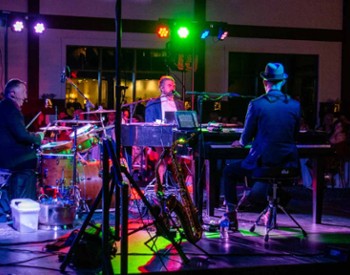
[
  {"x": 172, "y": 200},
  {"x": 159, "y": 222}
]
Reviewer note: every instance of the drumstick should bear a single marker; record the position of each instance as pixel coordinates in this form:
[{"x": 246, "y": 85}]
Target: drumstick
[{"x": 30, "y": 123}]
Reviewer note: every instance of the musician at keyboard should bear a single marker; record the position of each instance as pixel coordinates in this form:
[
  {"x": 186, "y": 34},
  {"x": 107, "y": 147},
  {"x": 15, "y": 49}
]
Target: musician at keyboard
[
  {"x": 168, "y": 101},
  {"x": 271, "y": 127}
]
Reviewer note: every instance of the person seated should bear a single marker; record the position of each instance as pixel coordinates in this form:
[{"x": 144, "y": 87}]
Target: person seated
[
  {"x": 17, "y": 145},
  {"x": 273, "y": 141}
]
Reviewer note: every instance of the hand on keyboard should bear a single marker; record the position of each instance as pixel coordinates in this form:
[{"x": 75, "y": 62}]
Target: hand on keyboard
[{"x": 236, "y": 144}]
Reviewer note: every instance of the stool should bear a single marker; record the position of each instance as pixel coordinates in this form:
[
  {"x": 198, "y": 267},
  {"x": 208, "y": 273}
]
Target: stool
[{"x": 276, "y": 176}]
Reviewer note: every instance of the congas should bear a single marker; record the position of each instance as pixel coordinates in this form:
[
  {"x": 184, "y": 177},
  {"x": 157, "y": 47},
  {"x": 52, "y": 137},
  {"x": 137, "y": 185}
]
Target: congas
[
  {"x": 86, "y": 138},
  {"x": 59, "y": 147},
  {"x": 57, "y": 173}
]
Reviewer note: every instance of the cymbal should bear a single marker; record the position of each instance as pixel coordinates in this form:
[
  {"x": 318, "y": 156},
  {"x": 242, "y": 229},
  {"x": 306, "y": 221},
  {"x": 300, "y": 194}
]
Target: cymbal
[
  {"x": 76, "y": 121},
  {"x": 55, "y": 128},
  {"x": 99, "y": 111}
]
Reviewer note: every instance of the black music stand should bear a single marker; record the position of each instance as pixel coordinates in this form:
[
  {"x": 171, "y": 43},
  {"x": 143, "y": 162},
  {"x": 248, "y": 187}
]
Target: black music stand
[{"x": 199, "y": 185}]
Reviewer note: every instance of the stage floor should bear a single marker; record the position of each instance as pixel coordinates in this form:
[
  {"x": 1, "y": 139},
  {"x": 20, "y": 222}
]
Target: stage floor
[{"x": 326, "y": 248}]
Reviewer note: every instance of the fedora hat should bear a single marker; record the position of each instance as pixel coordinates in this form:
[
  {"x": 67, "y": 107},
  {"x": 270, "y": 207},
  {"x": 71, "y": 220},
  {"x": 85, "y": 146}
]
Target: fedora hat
[{"x": 274, "y": 71}]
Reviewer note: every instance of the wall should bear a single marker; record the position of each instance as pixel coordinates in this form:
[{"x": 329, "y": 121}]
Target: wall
[{"x": 283, "y": 13}]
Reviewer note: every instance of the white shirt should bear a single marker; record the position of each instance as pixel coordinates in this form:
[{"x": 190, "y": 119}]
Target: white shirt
[{"x": 167, "y": 106}]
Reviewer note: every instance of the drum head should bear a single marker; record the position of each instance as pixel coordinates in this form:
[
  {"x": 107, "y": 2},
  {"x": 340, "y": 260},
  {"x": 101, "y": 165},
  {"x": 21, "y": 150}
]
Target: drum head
[
  {"x": 57, "y": 147},
  {"x": 82, "y": 131}
]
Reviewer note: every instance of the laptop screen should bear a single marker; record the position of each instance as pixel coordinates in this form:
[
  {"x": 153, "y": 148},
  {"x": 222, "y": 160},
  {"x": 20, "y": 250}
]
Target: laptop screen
[{"x": 186, "y": 120}]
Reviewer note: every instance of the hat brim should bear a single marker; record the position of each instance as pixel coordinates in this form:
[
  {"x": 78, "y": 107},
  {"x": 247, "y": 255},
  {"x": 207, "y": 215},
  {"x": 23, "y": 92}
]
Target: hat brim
[{"x": 273, "y": 77}]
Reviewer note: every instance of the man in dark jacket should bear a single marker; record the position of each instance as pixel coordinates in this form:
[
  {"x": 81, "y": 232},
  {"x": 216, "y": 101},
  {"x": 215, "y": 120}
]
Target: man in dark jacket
[
  {"x": 17, "y": 145},
  {"x": 168, "y": 101},
  {"x": 156, "y": 108},
  {"x": 271, "y": 127}
]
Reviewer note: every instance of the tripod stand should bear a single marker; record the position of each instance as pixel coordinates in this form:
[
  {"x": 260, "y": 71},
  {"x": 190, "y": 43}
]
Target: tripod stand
[
  {"x": 81, "y": 204},
  {"x": 104, "y": 194}
]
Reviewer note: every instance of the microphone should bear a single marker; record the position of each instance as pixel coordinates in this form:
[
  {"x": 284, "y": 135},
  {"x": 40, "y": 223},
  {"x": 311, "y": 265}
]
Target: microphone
[
  {"x": 177, "y": 94},
  {"x": 63, "y": 75}
]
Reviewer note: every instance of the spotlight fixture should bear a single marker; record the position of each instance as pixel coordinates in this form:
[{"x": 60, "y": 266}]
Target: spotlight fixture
[
  {"x": 39, "y": 27},
  {"x": 17, "y": 26},
  {"x": 183, "y": 32},
  {"x": 205, "y": 33},
  {"x": 163, "y": 31},
  {"x": 222, "y": 34}
]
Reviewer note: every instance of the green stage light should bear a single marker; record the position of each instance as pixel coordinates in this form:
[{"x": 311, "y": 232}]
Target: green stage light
[{"x": 183, "y": 32}]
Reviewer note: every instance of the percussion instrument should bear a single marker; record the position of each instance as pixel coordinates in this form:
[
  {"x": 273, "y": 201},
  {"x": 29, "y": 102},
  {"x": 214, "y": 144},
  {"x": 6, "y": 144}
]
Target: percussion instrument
[
  {"x": 90, "y": 182},
  {"x": 57, "y": 176},
  {"x": 76, "y": 121},
  {"x": 86, "y": 139},
  {"x": 58, "y": 147},
  {"x": 55, "y": 128},
  {"x": 100, "y": 110},
  {"x": 57, "y": 173}
]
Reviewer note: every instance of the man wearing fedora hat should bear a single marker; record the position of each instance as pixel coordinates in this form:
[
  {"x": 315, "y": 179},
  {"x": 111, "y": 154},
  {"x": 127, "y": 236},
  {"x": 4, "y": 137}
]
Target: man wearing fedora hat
[{"x": 271, "y": 126}]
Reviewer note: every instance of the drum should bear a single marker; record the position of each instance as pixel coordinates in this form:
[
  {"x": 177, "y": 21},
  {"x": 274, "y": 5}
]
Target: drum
[
  {"x": 90, "y": 182},
  {"x": 86, "y": 138},
  {"x": 59, "y": 147},
  {"x": 57, "y": 173}
]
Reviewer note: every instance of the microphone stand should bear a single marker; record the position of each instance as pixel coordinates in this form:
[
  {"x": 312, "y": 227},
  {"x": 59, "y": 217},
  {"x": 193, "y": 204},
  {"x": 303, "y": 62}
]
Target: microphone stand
[{"x": 89, "y": 104}]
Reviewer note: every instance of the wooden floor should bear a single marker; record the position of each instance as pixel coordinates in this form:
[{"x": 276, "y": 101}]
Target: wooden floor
[{"x": 325, "y": 249}]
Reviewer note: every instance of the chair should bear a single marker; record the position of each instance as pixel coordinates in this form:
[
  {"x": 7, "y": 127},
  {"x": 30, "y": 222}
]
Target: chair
[{"x": 277, "y": 177}]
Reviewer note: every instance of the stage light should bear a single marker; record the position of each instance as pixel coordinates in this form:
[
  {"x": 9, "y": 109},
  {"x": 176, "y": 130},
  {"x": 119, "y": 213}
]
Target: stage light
[
  {"x": 205, "y": 34},
  {"x": 39, "y": 27},
  {"x": 163, "y": 31},
  {"x": 17, "y": 26},
  {"x": 183, "y": 32},
  {"x": 222, "y": 34}
]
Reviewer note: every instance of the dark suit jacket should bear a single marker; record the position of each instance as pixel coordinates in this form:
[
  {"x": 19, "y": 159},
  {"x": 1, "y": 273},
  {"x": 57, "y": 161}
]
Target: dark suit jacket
[
  {"x": 17, "y": 145},
  {"x": 271, "y": 125},
  {"x": 154, "y": 109}
]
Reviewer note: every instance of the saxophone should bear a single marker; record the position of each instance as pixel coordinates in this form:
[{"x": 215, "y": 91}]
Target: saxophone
[{"x": 185, "y": 210}]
